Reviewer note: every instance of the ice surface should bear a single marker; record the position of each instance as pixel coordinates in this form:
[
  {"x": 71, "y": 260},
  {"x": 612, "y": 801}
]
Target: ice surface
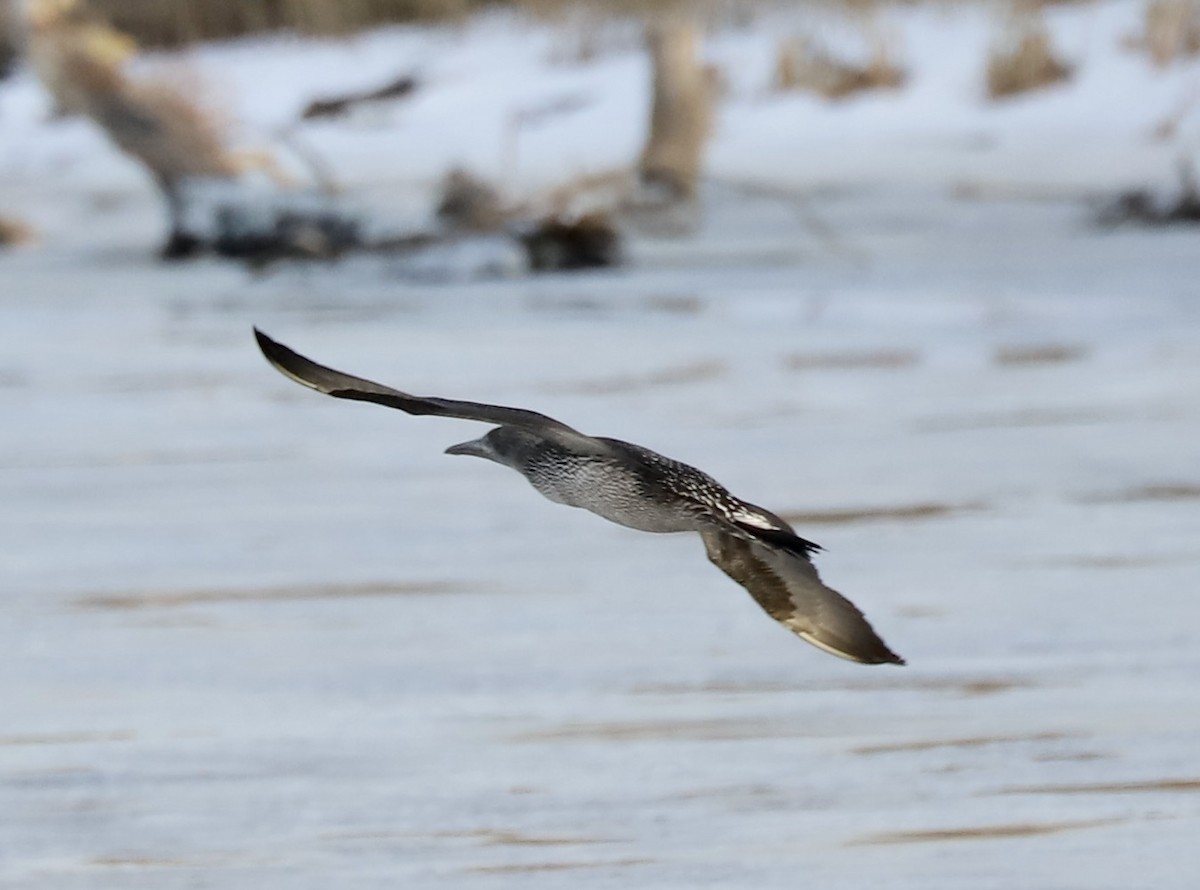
[{"x": 255, "y": 638}]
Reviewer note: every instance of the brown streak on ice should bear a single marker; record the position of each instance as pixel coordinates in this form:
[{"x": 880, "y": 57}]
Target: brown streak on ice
[
  {"x": 488, "y": 836},
  {"x": 517, "y": 839},
  {"x": 694, "y": 372},
  {"x": 1030, "y": 417},
  {"x": 845, "y": 361},
  {"x": 66, "y": 738},
  {"x": 141, "y": 862},
  {"x": 1107, "y": 787},
  {"x": 1120, "y": 561},
  {"x": 969, "y": 742},
  {"x": 508, "y": 838},
  {"x": 208, "y": 860},
  {"x": 675, "y": 305},
  {"x": 730, "y": 793},
  {"x": 529, "y": 867},
  {"x": 173, "y": 599},
  {"x": 711, "y": 730},
  {"x": 1163, "y": 491},
  {"x": 984, "y": 832},
  {"x": 1044, "y": 354},
  {"x": 1076, "y": 756},
  {"x": 896, "y": 513},
  {"x": 967, "y": 687}
]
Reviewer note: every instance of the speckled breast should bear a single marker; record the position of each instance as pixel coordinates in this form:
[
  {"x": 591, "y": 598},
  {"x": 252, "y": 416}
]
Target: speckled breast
[{"x": 628, "y": 495}]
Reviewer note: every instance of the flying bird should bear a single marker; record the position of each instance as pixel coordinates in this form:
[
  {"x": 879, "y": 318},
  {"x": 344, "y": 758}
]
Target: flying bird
[{"x": 637, "y": 488}]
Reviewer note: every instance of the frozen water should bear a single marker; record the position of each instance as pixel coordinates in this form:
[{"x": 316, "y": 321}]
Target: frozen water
[{"x": 257, "y": 638}]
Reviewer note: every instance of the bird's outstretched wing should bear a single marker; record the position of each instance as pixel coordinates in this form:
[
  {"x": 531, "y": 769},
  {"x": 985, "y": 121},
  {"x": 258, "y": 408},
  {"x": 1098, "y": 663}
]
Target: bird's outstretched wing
[
  {"x": 788, "y": 588},
  {"x": 345, "y": 386}
]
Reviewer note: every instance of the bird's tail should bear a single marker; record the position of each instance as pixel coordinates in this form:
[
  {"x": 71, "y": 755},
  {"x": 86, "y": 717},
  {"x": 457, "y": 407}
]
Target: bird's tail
[{"x": 784, "y": 540}]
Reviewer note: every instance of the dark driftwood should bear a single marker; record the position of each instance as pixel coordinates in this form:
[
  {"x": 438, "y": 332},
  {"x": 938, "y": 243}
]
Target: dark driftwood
[
  {"x": 590, "y": 242},
  {"x": 1143, "y": 207},
  {"x": 335, "y": 106},
  {"x": 261, "y": 237}
]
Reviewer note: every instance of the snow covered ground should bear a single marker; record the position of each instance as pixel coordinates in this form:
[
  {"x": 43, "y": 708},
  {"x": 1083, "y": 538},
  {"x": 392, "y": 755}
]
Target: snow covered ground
[{"x": 255, "y": 638}]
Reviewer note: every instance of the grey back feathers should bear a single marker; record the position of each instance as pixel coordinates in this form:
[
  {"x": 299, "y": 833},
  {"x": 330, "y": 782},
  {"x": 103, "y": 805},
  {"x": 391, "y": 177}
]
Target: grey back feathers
[{"x": 641, "y": 489}]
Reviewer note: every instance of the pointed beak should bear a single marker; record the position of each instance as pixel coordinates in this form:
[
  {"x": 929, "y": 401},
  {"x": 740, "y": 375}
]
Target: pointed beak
[{"x": 474, "y": 448}]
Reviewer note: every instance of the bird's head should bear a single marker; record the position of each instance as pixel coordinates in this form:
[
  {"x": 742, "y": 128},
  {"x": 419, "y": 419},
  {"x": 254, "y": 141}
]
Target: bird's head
[{"x": 505, "y": 445}]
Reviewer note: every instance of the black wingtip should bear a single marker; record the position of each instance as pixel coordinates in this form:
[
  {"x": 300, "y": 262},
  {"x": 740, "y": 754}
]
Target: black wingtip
[
  {"x": 290, "y": 363},
  {"x": 878, "y": 652},
  {"x": 265, "y": 343},
  {"x": 785, "y": 540},
  {"x": 281, "y": 357}
]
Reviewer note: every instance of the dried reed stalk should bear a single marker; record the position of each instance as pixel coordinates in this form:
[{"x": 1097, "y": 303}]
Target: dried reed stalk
[
  {"x": 1171, "y": 30},
  {"x": 804, "y": 65},
  {"x": 1025, "y": 58},
  {"x": 681, "y": 113}
]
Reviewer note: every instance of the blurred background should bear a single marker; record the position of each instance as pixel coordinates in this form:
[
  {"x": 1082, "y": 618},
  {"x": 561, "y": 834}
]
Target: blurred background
[{"x": 918, "y": 276}]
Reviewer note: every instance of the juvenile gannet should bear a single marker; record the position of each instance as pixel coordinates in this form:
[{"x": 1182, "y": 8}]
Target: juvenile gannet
[{"x": 638, "y": 488}]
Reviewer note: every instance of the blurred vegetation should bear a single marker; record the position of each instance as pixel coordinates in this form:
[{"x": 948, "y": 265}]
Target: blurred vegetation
[
  {"x": 173, "y": 22},
  {"x": 1023, "y": 58},
  {"x": 8, "y": 38}
]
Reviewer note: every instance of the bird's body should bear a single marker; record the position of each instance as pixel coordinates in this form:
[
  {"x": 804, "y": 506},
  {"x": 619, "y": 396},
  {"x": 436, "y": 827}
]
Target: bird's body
[
  {"x": 626, "y": 493},
  {"x": 625, "y": 483},
  {"x": 640, "y": 489}
]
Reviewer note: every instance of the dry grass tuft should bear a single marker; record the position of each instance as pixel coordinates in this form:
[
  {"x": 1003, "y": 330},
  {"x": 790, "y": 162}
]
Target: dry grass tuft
[
  {"x": 803, "y": 64},
  {"x": 160, "y": 121},
  {"x": 189, "y": 138},
  {"x": 82, "y": 65},
  {"x": 1171, "y": 30},
  {"x": 1025, "y": 59},
  {"x": 60, "y": 33}
]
